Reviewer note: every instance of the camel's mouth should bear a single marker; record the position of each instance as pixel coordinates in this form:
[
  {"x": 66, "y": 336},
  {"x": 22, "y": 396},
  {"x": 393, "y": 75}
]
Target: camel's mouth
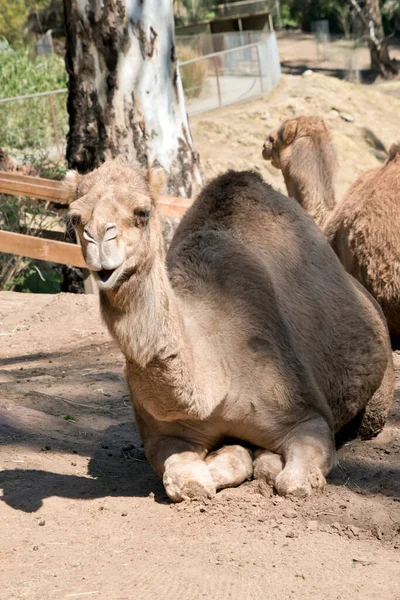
[
  {"x": 105, "y": 274},
  {"x": 107, "y": 278}
]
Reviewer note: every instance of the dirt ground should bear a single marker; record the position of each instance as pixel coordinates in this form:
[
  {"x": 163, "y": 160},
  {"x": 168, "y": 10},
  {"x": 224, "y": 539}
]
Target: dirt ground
[{"x": 82, "y": 514}]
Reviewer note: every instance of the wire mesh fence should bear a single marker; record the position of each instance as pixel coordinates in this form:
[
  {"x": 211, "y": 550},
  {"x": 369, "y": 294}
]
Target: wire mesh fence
[
  {"x": 35, "y": 122},
  {"x": 38, "y": 122},
  {"x": 226, "y": 77}
]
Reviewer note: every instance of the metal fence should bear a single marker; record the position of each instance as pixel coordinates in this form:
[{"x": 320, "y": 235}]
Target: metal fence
[
  {"x": 35, "y": 122},
  {"x": 222, "y": 78},
  {"x": 39, "y": 122}
]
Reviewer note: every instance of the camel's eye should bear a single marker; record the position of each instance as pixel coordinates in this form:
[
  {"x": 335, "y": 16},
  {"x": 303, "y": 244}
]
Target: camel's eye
[{"x": 141, "y": 214}]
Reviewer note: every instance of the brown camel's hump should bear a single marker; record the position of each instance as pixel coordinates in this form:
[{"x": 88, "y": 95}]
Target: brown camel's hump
[{"x": 235, "y": 201}]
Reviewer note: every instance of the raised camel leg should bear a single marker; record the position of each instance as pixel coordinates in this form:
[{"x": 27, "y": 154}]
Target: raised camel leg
[
  {"x": 230, "y": 466},
  {"x": 182, "y": 467},
  {"x": 309, "y": 454},
  {"x": 267, "y": 465}
]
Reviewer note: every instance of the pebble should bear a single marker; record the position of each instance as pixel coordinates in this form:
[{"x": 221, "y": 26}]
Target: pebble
[
  {"x": 124, "y": 514},
  {"x": 354, "y": 530},
  {"x": 312, "y": 525},
  {"x": 346, "y": 117},
  {"x": 42, "y": 522},
  {"x": 290, "y": 514},
  {"x": 292, "y": 534},
  {"x": 307, "y": 73}
]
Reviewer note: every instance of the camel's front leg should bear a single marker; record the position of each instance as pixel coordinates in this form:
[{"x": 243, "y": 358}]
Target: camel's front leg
[{"x": 182, "y": 467}]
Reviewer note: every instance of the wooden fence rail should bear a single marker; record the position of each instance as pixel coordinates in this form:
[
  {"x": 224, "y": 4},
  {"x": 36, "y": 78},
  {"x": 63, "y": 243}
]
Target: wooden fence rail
[{"x": 47, "y": 189}]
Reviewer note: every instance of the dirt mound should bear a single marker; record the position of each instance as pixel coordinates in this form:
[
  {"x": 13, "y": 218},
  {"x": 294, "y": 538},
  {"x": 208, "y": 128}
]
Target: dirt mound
[{"x": 364, "y": 123}]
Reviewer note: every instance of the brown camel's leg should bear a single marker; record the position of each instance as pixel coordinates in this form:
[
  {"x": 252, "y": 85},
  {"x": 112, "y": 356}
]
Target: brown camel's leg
[
  {"x": 267, "y": 465},
  {"x": 309, "y": 454},
  {"x": 182, "y": 467},
  {"x": 230, "y": 466}
]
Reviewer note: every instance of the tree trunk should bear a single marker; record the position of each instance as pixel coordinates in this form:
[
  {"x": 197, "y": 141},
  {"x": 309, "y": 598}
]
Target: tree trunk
[
  {"x": 125, "y": 94},
  {"x": 381, "y": 63}
]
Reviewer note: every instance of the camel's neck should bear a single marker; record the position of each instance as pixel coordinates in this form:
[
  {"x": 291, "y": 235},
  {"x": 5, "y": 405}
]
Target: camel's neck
[
  {"x": 313, "y": 190},
  {"x": 147, "y": 320},
  {"x": 144, "y": 316}
]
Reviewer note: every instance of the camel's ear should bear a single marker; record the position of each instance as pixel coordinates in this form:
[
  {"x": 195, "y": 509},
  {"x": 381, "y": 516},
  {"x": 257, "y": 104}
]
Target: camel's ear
[
  {"x": 70, "y": 185},
  {"x": 289, "y": 131},
  {"x": 394, "y": 150},
  {"x": 156, "y": 179}
]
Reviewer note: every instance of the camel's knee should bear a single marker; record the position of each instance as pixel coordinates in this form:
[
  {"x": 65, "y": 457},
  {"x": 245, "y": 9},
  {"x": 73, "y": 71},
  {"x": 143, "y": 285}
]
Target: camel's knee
[
  {"x": 230, "y": 466},
  {"x": 375, "y": 413},
  {"x": 267, "y": 465}
]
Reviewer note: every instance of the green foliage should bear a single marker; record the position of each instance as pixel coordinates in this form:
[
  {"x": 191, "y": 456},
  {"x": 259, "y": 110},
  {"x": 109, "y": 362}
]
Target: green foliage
[
  {"x": 22, "y": 215},
  {"x": 13, "y": 17},
  {"x": 304, "y": 12},
  {"x": 28, "y": 123}
]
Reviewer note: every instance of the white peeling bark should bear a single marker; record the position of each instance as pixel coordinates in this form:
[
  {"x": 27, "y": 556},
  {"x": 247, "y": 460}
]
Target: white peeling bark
[{"x": 125, "y": 94}]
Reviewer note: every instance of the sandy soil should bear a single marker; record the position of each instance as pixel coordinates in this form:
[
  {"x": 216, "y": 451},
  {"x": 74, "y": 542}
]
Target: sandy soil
[
  {"x": 364, "y": 121},
  {"x": 83, "y": 515}
]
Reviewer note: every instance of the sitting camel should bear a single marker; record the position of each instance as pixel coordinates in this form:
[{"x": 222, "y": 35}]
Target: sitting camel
[
  {"x": 303, "y": 150},
  {"x": 364, "y": 231},
  {"x": 250, "y": 334}
]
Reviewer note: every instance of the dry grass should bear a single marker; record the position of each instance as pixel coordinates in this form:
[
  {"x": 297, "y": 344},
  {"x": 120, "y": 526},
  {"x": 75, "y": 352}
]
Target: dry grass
[{"x": 193, "y": 75}]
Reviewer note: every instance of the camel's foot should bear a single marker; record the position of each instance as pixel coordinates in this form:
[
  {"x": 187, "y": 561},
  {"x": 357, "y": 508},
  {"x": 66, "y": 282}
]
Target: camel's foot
[
  {"x": 267, "y": 465},
  {"x": 299, "y": 483},
  {"x": 188, "y": 481},
  {"x": 309, "y": 454},
  {"x": 230, "y": 466}
]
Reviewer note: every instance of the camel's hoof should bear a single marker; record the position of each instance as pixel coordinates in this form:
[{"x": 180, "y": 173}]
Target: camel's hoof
[
  {"x": 290, "y": 484},
  {"x": 188, "y": 482}
]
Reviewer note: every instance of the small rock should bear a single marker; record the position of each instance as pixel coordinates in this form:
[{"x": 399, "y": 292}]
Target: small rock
[
  {"x": 42, "y": 522},
  {"x": 292, "y": 534},
  {"x": 124, "y": 514},
  {"x": 300, "y": 575},
  {"x": 346, "y": 117},
  {"x": 312, "y": 525},
  {"x": 277, "y": 500},
  {"x": 290, "y": 513},
  {"x": 354, "y": 530},
  {"x": 35, "y": 548},
  {"x": 377, "y": 532},
  {"x": 202, "y": 509},
  {"x": 307, "y": 73},
  {"x": 151, "y": 495}
]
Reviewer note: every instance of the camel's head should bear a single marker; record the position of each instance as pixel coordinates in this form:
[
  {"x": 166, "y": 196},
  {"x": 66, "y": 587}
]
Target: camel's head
[
  {"x": 279, "y": 145},
  {"x": 113, "y": 212}
]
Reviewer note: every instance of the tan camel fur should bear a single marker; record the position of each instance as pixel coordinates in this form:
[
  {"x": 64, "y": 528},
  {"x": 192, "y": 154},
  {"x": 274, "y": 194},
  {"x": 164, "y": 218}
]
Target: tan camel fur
[
  {"x": 303, "y": 150},
  {"x": 364, "y": 231},
  {"x": 249, "y": 335}
]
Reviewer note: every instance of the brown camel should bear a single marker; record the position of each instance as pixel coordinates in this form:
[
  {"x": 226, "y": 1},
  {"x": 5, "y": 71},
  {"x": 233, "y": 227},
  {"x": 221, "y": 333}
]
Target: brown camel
[
  {"x": 251, "y": 331},
  {"x": 364, "y": 231},
  {"x": 303, "y": 150}
]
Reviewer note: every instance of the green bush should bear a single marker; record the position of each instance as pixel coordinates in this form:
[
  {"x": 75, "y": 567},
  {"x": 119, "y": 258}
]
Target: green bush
[
  {"x": 28, "y": 123},
  {"x": 194, "y": 74}
]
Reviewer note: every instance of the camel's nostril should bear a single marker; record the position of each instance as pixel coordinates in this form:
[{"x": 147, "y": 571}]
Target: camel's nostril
[{"x": 110, "y": 226}]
